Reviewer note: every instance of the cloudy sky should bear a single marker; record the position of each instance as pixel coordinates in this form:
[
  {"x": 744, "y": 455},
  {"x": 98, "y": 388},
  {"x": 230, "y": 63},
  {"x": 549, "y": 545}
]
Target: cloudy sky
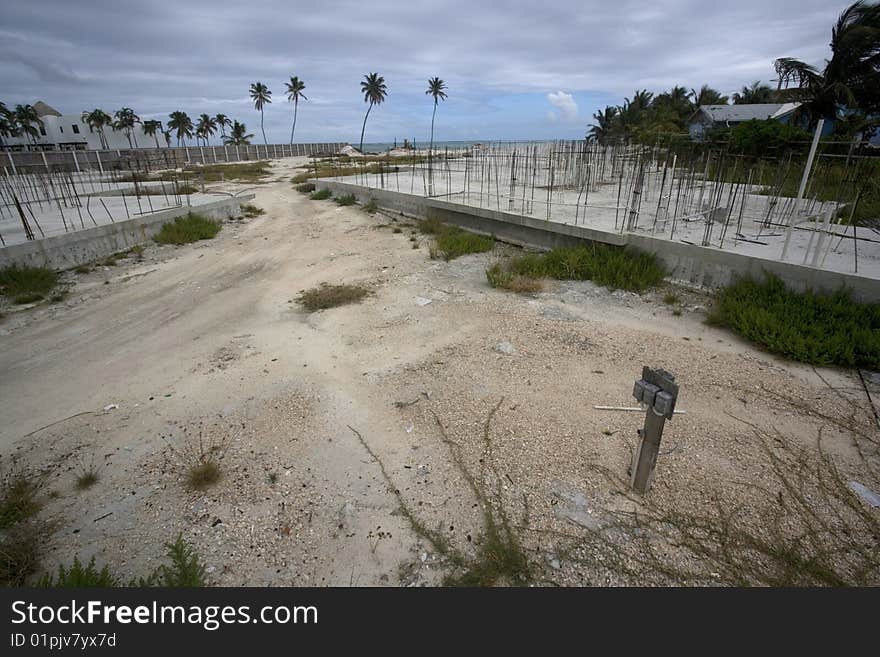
[{"x": 515, "y": 70}]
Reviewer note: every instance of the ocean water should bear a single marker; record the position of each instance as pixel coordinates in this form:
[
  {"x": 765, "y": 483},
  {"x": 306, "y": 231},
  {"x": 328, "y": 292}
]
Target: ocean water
[{"x": 379, "y": 147}]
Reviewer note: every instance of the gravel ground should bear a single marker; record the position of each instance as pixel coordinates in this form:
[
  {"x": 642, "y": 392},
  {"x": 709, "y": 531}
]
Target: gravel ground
[{"x": 206, "y": 342}]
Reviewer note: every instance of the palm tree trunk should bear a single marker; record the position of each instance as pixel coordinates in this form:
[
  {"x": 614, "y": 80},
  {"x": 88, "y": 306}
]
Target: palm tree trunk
[
  {"x": 265, "y": 141},
  {"x": 431, "y": 153},
  {"x": 365, "y": 126},
  {"x": 134, "y": 136},
  {"x": 156, "y": 137},
  {"x": 295, "y": 108}
]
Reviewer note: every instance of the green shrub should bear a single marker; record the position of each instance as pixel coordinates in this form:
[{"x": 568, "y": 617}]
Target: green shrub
[
  {"x": 183, "y": 570},
  {"x": 27, "y": 284},
  {"x": 758, "y": 138},
  {"x": 191, "y": 228},
  {"x": 250, "y": 211},
  {"x": 370, "y": 207},
  {"x": 79, "y": 576},
  {"x": 346, "y": 199},
  {"x": 452, "y": 242},
  {"x": 499, "y": 277},
  {"x": 320, "y": 195},
  {"x": 809, "y": 327},
  {"x": 604, "y": 264}
]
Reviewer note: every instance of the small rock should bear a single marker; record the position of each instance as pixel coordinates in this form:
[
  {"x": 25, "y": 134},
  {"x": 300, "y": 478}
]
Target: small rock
[
  {"x": 422, "y": 301},
  {"x": 504, "y": 348}
]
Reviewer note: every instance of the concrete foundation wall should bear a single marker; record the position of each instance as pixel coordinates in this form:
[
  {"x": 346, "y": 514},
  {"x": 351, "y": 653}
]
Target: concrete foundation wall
[
  {"x": 148, "y": 159},
  {"x": 84, "y": 246},
  {"x": 699, "y": 266}
]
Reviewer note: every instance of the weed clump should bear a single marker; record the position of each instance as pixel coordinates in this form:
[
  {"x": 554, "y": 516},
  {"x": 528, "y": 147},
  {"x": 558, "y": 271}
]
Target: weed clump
[
  {"x": 204, "y": 474},
  {"x": 18, "y": 501},
  {"x": 191, "y": 228},
  {"x": 346, "y": 199},
  {"x": 805, "y": 326},
  {"x": 330, "y": 296},
  {"x": 27, "y": 284},
  {"x": 320, "y": 195},
  {"x": 370, "y": 207},
  {"x": 607, "y": 265},
  {"x": 498, "y": 277},
  {"x": 306, "y": 188},
  {"x": 249, "y": 211},
  {"x": 452, "y": 242}
]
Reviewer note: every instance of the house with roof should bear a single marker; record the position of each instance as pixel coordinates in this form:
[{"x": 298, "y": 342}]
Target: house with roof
[
  {"x": 710, "y": 117},
  {"x": 69, "y": 132}
]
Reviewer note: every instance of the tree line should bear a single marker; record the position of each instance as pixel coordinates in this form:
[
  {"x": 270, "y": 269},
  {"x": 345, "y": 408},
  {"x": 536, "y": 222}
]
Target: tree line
[{"x": 846, "y": 89}]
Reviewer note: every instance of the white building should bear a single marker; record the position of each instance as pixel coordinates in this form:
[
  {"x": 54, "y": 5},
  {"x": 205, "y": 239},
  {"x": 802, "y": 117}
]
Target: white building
[{"x": 70, "y": 132}]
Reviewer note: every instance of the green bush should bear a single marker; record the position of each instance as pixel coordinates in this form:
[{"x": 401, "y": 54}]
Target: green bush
[
  {"x": 191, "y": 228},
  {"x": 607, "y": 265},
  {"x": 809, "y": 327},
  {"x": 79, "y": 576},
  {"x": 320, "y": 195},
  {"x": 758, "y": 138},
  {"x": 346, "y": 199},
  {"x": 27, "y": 284},
  {"x": 183, "y": 570}
]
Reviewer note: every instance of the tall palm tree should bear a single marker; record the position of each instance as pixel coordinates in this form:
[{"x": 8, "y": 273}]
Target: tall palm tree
[
  {"x": 605, "y": 127},
  {"x": 708, "y": 96},
  {"x": 27, "y": 121},
  {"x": 206, "y": 127},
  {"x": 180, "y": 122},
  {"x": 261, "y": 95},
  {"x": 850, "y": 78},
  {"x": 126, "y": 119},
  {"x": 238, "y": 135},
  {"x": 374, "y": 90},
  {"x": 436, "y": 89},
  {"x": 152, "y": 128},
  {"x": 294, "y": 92},
  {"x": 97, "y": 119},
  {"x": 222, "y": 121},
  {"x": 756, "y": 92}
]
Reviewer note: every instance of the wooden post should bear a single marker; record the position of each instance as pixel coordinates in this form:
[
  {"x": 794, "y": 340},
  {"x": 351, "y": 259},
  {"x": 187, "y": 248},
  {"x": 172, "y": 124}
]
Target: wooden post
[{"x": 658, "y": 391}]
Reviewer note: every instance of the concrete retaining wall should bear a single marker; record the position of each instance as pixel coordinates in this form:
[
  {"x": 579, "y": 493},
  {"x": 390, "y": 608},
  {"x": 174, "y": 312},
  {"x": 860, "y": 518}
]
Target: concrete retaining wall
[
  {"x": 84, "y": 246},
  {"x": 705, "y": 267}
]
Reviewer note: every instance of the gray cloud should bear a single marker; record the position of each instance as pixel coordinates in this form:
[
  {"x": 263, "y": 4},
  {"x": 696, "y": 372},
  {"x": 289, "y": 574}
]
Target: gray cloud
[{"x": 500, "y": 62}]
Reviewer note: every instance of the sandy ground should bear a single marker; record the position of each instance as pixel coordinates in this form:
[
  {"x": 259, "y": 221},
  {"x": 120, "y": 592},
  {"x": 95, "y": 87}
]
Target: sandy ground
[{"x": 206, "y": 341}]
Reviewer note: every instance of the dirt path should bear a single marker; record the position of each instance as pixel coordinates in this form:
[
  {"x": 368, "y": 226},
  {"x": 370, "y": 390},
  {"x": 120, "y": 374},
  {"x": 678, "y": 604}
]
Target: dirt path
[{"x": 207, "y": 340}]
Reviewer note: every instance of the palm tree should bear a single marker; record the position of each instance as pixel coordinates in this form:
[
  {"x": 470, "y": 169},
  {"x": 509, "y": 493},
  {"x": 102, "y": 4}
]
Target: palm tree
[
  {"x": 27, "y": 121},
  {"x": 238, "y": 135},
  {"x": 7, "y": 123},
  {"x": 261, "y": 95},
  {"x": 126, "y": 119},
  {"x": 206, "y": 127},
  {"x": 152, "y": 128},
  {"x": 222, "y": 121},
  {"x": 180, "y": 122},
  {"x": 167, "y": 135},
  {"x": 605, "y": 128},
  {"x": 374, "y": 90},
  {"x": 708, "y": 96},
  {"x": 436, "y": 89},
  {"x": 850, "y": 78},
  {"x": 96, "y": 120},
  {"x": 754, "y": 93},
  {"x": 294, "y": 92}
]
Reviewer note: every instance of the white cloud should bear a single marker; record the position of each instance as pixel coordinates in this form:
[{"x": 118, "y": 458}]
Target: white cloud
[{"x": 568, "y": 109}]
